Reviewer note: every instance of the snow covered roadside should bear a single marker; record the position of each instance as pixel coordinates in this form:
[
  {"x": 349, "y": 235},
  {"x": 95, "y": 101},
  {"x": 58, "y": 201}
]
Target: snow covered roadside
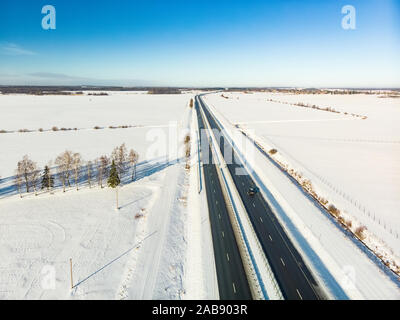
[
  {"x": 333, "y": 205},
  {"x": 341, "y": 264},
  {"x": 159, "y": 271},
  {"x": 201, "y": 277},
  {"x": 350, "y": 164}
]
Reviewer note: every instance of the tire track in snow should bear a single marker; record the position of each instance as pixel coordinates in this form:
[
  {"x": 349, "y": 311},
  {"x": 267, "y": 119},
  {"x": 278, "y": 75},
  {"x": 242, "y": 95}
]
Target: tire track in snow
[{"x": 122, "y": 292}]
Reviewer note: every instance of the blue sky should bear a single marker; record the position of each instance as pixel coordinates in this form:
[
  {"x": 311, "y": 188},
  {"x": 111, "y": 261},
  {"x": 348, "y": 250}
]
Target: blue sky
[{"x": 201, "y": 43}]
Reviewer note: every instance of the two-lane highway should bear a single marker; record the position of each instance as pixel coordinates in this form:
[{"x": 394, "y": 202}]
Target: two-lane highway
[
  {"x": 232, "y": 281},
  {"x": 293, "y": 276}
]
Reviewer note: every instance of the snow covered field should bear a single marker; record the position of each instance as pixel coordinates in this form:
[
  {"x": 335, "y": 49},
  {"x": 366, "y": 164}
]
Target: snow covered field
[
  {"x": 153, "y": 114},
  {"x": 137, "y": 252},
  {"x": 154, "y": 247},
  {"x": 83, "y": 111},
  {"x": 350, "y": 161}
]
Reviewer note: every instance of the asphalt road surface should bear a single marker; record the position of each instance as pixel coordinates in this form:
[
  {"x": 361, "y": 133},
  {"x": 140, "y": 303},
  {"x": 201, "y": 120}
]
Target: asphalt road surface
[
  {"x": 293, "y": 276},
  {"x": 232, "y": 281}
]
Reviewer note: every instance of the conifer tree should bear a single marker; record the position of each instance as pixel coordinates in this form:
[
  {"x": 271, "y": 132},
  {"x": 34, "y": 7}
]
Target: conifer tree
[
  {"x": 113, "y": 180},
  {"x": 47, "y": 179}
]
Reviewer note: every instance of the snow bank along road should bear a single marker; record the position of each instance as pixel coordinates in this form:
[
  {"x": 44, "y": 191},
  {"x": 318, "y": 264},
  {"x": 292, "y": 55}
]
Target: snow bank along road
[
  {"x": 293, "y": 276},
  {"x": 232, "y": 282}
]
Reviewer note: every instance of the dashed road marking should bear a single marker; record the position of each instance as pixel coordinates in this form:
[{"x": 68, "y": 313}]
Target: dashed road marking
[
  {"x": 283, "y": 262},
  {"x": 298, "y": 292},
  {"x": 234, "y": 288},
  {"x": 270, "y": 237},
  {"x": 227, "y": 256}
]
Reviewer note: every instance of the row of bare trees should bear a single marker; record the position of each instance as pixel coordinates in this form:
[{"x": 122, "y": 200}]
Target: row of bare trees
[{"x": 70, "y": 167}]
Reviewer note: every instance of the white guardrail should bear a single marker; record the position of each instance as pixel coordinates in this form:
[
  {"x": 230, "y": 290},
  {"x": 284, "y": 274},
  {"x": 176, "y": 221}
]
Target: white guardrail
[{"x": 258, "y": 271}]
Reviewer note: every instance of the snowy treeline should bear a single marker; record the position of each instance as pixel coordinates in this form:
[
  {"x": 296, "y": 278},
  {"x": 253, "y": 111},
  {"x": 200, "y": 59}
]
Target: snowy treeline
[{"x": 72, "y": 170}]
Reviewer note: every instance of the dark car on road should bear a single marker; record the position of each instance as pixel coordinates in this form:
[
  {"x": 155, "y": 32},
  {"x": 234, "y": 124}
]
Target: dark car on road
[{"x": 252, "y": 191}]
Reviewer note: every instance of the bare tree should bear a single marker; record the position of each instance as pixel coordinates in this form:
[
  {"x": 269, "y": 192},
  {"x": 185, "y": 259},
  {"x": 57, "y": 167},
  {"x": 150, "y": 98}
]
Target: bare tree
[
  {"x": 25, "y": 168},
  {"x": 102, "y": 169},
  {"x": 50, "y": 181},
  {"x": 97, "y": 165},
  {"x": 35, "y": 179},
  {"x": 65, "y": 161},
  {"x": 18, "y": 181},
  {"x": 89, "y": 172},
  {"x": 61, "y": 174},
  {"x": 133, "y": 158},
  {"x": 77, "y": 164},
  {"x": 119, "y": 155}
]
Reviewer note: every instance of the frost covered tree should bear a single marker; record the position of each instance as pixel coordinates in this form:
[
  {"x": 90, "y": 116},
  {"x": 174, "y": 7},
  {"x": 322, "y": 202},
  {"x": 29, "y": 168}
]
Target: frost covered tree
[
  {"x": 26, "y": 169},
  {"x": 89, "y": 168},
  {"x": 102, "y": 166},
  {"x": 113, "y": 180},
  {"x": 61, "y": 175},
  {"x": 77, "y": 164},
  {"x": 18, "y": 182},
  {"x": 35, "y": 180},
  {"x": 133, "y": 158},
  {"x": 65, "y": 162},
  {"x": 119, "y": 156}
]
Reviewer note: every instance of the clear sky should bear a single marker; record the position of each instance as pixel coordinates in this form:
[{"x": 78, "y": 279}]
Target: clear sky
[{"x": 201, "y": 43}]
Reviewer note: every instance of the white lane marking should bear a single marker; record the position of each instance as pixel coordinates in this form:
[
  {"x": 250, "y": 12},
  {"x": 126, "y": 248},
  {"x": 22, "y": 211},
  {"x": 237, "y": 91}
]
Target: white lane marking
[
  {"x": 219, "y": 216},
  {"x": 261, "y": 220},
  {"x": 298, "y": 292},
  {"x": 214, "y": 190},
  {"x": 270, "y": 237},
  {"x": 242, "y": 183},
  {"x": 216, "y": 202},
  {"x": 234, "y": 288},
  {"x": 223, "y": 234},
  {"x": 283, "y": 262},
  {"x": 254, "y": 205},
  {"x": 227, "y": 256}
]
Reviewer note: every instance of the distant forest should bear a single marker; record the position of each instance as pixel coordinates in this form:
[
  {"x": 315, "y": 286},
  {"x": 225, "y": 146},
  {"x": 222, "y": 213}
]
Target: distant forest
[
  {"x": 74, "y": 90},
  {"x": 67, "y": 90}
]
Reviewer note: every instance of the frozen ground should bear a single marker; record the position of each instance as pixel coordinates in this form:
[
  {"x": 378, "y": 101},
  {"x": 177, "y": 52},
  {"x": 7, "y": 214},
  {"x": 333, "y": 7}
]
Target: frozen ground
[
  {"x": 321, "y": 146},
  {"x": 109, "y": 248},
  {"x": 352, "y": 162},
  {"x": 82, "y": 111},
  {"x": 137, "y": 252},
  {"x": 158, "y": 119}
]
